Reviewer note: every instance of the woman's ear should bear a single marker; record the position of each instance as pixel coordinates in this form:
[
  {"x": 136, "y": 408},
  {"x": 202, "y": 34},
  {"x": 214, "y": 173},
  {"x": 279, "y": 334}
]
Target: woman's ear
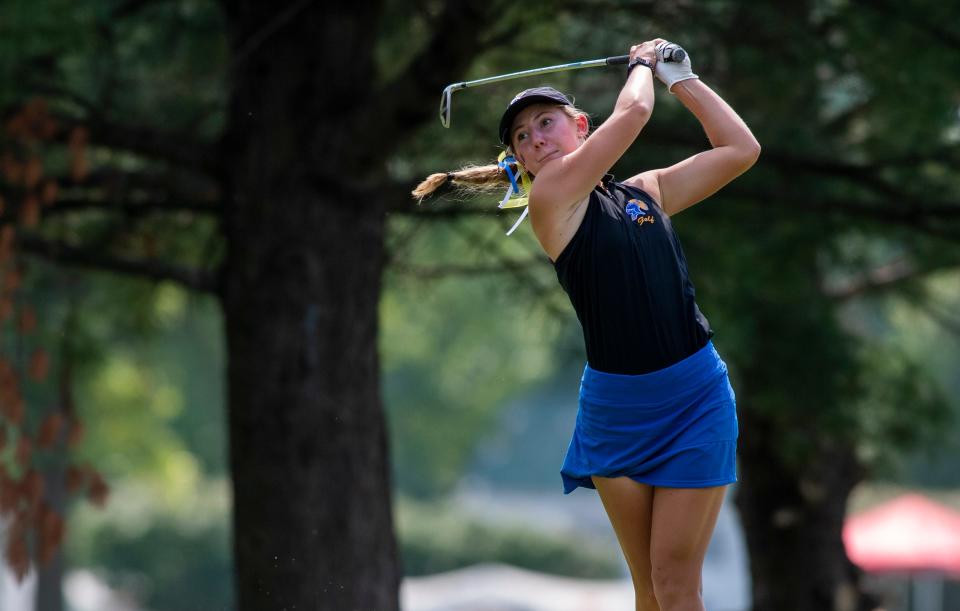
[{"x": 583, "y": 126}]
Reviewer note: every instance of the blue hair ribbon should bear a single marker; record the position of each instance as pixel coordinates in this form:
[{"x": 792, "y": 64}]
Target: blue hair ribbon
[{"x": 505, "y": 165}]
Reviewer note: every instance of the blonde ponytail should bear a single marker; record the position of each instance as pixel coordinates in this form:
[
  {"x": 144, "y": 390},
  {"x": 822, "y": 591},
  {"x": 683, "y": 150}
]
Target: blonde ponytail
[
  {"x": 472, "y": 179},
  {"x": 478, "y": 179}
]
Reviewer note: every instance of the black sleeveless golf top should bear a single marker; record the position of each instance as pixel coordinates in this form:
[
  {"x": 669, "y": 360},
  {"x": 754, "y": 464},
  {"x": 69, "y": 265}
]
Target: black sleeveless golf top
[{"x": 626, "y": 276}]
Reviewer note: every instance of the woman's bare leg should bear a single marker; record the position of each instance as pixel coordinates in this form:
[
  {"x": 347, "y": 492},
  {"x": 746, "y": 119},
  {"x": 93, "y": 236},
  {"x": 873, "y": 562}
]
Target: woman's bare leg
[
  {"x": 683, "y": 520},
  {"x": 664, "y": 534},
  {"x": 629, "y": 505}
]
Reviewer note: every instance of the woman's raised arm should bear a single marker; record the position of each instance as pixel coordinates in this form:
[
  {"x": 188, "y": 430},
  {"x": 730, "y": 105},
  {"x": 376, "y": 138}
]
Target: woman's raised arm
[{"x": 696, "y": 178}]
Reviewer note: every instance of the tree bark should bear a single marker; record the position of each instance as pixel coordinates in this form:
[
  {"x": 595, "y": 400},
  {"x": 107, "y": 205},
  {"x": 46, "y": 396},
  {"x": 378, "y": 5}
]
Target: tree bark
[
  {"x": 798, "y": 378},
  {"x": 50, "y": 576},
  {"x": 313, "y": 526},
  {"x": 304, "y": 155},
  {"x": 792, "y": 516}
]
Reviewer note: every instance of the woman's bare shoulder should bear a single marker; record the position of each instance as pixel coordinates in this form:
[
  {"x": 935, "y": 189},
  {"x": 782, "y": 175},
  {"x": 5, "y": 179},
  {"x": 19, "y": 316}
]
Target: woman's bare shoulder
[
  {"x": 555, "y": 223},
  {"x": 648, "y": 182}
]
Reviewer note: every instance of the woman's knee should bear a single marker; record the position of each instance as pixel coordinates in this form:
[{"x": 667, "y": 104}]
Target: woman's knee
[
  {"x": 643, "y": 590},
  {"x": 646, "y": 601},
  {"x": 675, "y": 580}
]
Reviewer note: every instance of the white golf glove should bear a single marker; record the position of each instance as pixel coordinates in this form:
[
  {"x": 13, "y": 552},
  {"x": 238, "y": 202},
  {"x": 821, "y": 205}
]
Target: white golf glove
[{"x": 671, "y": 72}]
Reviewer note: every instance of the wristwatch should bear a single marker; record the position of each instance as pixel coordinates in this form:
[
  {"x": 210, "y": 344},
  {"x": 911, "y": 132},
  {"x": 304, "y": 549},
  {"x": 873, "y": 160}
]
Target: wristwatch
[{"x": 637, "y": 61}]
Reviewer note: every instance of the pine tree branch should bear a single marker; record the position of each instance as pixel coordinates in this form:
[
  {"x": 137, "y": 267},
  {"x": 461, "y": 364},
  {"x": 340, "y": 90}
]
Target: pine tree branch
[
  {"x": 436, "y": 272},
  {"x": 137, "y": 207},
  {"x": 947, "y": 321},
  {"x": 865, "y": 174},
  {"x": 447, "y": 212},
  {"x": 131, "y": 7},
  {"x": 878, "y": 279},
  {"x": 179, "y": 149},
  {"x": 918, "y": 19},
  {"x": 940, "y": 219},
  {"x": 69, "y": 255},
  {"x": 407, "y": 101},
  {"x": 182, "y": 149},
  {"x": 114, "y": 183},
  {"x": 253, "y": 42}
]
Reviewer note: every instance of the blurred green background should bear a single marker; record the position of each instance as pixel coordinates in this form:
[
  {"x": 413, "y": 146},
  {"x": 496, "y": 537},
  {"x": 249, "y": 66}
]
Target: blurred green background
[{"x": 830, "y": 272}]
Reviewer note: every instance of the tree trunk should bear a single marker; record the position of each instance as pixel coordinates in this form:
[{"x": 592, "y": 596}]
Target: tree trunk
[
  {"x": 50, "y": 576},
  {"x": 793, "y": 517},
  {"x": 313, "y": 526},
  {"x": 797, "y": 380}
]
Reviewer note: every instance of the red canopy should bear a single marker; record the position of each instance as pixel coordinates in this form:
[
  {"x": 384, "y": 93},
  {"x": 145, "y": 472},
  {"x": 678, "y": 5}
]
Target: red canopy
[{"x": 908, "y": 533}]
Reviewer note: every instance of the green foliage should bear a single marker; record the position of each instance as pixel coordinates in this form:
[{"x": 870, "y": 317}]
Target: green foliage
[
  {"x": 153, "y": 403},
  {"x": 901, "y": 408},
  {"x": 147, "y": 376},
  {"x": 163, "y": 62},
  {"x": 853, "y": 103},
  {"x": 440, "y": 538},
  {"x": 170, "y": 556},
  {"x": 455, "y": 350},
  {"x": 926, "y": 414}
]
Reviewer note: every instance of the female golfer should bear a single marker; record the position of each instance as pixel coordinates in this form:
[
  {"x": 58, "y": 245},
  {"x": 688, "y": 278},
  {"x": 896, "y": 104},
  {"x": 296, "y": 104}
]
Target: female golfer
[{"x": 656, "y": 428}]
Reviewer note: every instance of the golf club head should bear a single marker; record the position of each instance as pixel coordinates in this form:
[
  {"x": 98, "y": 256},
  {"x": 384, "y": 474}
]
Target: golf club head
[{"x": 445, "y": 100}]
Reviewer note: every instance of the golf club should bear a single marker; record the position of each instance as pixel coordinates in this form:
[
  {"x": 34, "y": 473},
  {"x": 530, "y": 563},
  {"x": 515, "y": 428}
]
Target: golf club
[{"x": 671, "y": 53}]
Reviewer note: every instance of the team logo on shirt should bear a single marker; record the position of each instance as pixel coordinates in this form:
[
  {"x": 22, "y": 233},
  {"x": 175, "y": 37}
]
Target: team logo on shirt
[{"x": 639, "y": 211}]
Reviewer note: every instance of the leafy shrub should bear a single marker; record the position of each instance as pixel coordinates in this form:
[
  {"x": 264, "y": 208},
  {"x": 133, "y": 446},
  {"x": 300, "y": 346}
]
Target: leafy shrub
[{"x": 434, "y": 539}]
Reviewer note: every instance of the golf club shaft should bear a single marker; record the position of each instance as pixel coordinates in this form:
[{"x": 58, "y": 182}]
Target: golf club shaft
[
  {"x": 593, "y": 63},
  {"x": 677, "y": 55}
]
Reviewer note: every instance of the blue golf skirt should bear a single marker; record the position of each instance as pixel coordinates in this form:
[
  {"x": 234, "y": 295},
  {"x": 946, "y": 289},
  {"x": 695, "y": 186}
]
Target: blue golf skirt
[{"x": 675, "y": 427}]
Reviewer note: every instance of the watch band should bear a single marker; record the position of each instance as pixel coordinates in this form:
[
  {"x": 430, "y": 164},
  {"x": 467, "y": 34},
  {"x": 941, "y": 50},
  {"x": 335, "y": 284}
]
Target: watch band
[{"x": 637, "y": 61}]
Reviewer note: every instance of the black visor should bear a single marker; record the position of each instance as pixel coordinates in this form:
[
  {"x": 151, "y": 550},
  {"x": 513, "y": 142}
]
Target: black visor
[{"x": 528, "y": 97}]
